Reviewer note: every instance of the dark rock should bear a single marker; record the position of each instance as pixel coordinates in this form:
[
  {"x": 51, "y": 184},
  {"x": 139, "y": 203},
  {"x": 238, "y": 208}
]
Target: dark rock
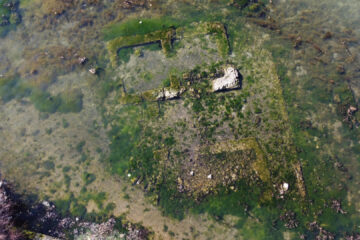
[
  {"x": 43, "y": 218},
  {"x": 82, "y": 60},
  {"x": 257, "y": 121},
  {"x": 305, "y": 124},
  {"x": 340, "y": 166},
  {"x": 8, "y": 208},
  {"x": 327, "y": 35},
  {"x": 340, "y": 69}
]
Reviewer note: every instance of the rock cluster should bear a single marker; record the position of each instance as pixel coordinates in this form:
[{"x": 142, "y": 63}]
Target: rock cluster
[
  {"x": 322, "y": 234},
  {"x": 290, "y": 220},
  {"x": 353, "y": 236},
  {"x": 7, "y": 208},
  {"x": 336, "y": 205},
  {"x": 135, "y": 233},
  {"x": 42, "y": 218}
]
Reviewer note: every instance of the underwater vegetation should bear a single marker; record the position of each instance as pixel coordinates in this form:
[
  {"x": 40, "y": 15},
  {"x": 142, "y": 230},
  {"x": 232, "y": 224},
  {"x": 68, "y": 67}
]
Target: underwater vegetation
[
  {"x": 164, "y": 36},
  {"x": 276, "y": 215},
  {"x": 319, "y": 194},
  {"x": 138, "y": 27},
  {"x": 144, "y": 153},
  {"x": 261, "y": 153},
  {"x": 55, "y": 7},
  {"x": 9, "y": 15},
  {"x": 11, "y": 87},
  {"x": 66, "y": 102},
  {"x": 134, "y": 32}
]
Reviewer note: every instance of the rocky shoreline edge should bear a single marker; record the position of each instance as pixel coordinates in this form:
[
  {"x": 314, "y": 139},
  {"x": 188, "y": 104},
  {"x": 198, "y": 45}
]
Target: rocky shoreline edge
[{"x": 20, "y": 220}]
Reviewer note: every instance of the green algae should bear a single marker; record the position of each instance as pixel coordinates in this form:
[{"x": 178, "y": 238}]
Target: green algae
[
  {"x": 225, "y": 202},
  {"x": 138, "y": 27},
  {"x": 76, "y": 206},
  {"x": 44, "y": 102},
  {"x": 169, "y": 199},
  {"x": 10, "y": 16},
  {"x": 317, "y": 166},
  {"x": 218, "y": 29},
  {"x": 165, "y": 37},
  {"x": 66, "y": 102},
  {"x": 12, "y": 88},
  {"x": 71, "y": 101},
  {"x": 88, "y": 178}
]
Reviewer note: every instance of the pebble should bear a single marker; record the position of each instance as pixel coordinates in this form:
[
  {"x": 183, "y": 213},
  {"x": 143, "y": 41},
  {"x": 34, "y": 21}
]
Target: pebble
[
  {"x": 82, "y": 60},
  {"x": 92, "y": 70}
]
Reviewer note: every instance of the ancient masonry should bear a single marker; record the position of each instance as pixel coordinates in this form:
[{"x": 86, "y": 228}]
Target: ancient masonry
[
  {"x": 166, "y": 38},
  {"x": 231, "y": 80}
]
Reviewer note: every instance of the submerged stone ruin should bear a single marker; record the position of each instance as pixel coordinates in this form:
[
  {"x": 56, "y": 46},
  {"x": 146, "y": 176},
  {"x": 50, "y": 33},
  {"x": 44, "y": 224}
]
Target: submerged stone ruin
[
  {"x": 168, "y": 36},
  {"x": 230, "y": 81}
]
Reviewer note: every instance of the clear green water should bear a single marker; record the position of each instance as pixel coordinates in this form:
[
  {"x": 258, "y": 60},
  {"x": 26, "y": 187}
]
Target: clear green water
[{"x": 64, "y": 137}]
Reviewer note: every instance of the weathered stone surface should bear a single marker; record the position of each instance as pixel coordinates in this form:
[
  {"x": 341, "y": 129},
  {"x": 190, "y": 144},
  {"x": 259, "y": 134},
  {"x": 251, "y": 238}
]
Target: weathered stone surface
[
  {"x": 170, "y": 93},
  {"x": 231, "y": 80}
]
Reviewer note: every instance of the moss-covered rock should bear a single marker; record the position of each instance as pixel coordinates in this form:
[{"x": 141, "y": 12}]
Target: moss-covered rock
[
  {"x": 164, "y": 36},
  {"x": 167, "y": 36}
]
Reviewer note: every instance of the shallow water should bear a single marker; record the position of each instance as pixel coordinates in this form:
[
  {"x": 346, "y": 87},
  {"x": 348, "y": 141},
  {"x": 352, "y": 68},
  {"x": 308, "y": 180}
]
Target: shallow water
[{"x": 50, "y": 148}]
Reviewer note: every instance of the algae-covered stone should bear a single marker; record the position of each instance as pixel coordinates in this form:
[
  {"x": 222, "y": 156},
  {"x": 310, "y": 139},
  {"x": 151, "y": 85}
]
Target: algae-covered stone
[
  {"x": 218, "y": 29},
  {"x": 166, "y": 37},
  {"x": 130, "y": 99},
  {"x": 221, "y": 37},
  {"x": 153, "y": 95},
  {"x": 163, "y": 36}
]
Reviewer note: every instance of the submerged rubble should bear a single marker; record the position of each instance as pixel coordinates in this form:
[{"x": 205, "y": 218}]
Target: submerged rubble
[
  {"x": 336, "y": 205},
  {"x": 231, "y": 80},
  {"x": 289, "y": 219}
]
